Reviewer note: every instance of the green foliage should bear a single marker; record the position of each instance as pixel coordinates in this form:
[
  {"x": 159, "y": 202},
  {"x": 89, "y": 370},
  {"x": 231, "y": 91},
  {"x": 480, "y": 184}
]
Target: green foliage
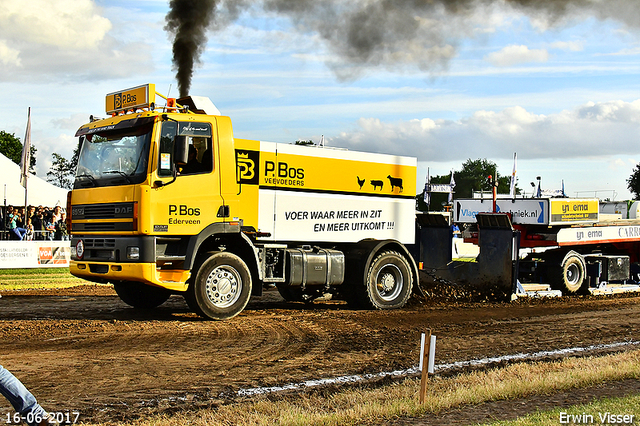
[
  {"x": 474, "y": 176},
  {"x": 11, "y": 147},
  {"x": 306, "y": 143},
  {"x": 633, "y": 183},
  {"x": 61, "y": 172}
]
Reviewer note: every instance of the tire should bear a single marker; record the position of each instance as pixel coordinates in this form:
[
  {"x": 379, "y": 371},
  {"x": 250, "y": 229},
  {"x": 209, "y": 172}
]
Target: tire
[
  {"x": 570, "y": 275},
  {"x": 140, "y": 295},
  {"x": 222, "y": 287},
  {"x": 290, "y": 294},
  {"x": 388, "y": 282}
]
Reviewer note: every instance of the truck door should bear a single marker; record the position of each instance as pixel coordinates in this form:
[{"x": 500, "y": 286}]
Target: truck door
[{"x": 191, "y": 202}]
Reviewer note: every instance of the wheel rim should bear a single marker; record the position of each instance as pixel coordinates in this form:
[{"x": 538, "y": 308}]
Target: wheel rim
[
  {"x": 573, "y": 274},
  {"x": 223, "y": 286},
  {"x": 389, "y": 282}
]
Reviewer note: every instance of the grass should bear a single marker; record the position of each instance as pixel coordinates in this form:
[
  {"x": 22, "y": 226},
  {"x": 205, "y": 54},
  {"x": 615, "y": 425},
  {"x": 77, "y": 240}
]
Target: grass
[
  {"x": 619, "y": 407},
  {"x": 38, "y": 278},
  {"x": 373, "y": 406}
]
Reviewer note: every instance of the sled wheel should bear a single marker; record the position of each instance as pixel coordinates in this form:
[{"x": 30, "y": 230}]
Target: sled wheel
[{"x": 571, "y": 274}]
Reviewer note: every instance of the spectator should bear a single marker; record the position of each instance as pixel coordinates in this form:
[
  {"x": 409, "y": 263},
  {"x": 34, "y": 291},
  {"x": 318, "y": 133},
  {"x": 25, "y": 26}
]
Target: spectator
[
  {"x": 21, "y": 399},
  {"x": 38, "y": 224},
  {"x": 21, "y": 221},
  {"x": 17, "y": 231},
  {"x": 5, "y": 222},
  {"x": 61, "y": 228},
  {"x": 9, "y": 211},
  {"x": 57, "y": 210},
  {"x": 50, "y": 226},
  {"x": 28, "y": 236},
  {"x": 35, "y": 223}
]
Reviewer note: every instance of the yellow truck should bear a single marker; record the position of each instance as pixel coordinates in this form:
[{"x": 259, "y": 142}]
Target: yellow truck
[{"x": 167, "y": 201}]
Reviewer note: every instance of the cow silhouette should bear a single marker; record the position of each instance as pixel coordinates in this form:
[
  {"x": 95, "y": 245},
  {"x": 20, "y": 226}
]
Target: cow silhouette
[
  {"x": 377, "y": 183},
  {"x": 360, "y": 181},
  {"x": 395, "y": 182}
]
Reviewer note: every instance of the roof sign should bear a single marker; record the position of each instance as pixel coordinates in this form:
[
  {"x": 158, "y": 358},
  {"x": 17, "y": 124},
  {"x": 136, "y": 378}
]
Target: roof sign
[{"x": 131, "y": 99}]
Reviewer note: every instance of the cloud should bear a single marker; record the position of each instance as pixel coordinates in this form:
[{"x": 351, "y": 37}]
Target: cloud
[
  {"x": 624, "y": 52},
  {"x": 8, "y": 55},
  {"x": 62, "y": 39},
  {"x": 589, "y": 130},
  {"x": 569, "y": 46},
  {"x": 68, "y": 24},
  {"x": 514, "y": 55}
]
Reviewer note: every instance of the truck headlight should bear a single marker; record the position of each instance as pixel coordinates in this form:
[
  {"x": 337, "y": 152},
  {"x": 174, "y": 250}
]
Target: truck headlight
[{"x": 133, "y": 253}]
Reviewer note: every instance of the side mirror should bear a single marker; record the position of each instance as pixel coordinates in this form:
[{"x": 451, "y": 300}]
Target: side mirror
[{"x": 181, "y": 150}]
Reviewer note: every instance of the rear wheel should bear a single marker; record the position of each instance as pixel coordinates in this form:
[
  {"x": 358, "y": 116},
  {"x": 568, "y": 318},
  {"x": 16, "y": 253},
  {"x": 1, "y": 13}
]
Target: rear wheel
[
  {"x": 222, "y": 287},
  {"x": 388, "y": 282},
  {"x": 570, "y": 275},
  {"x": 141, "y": 295}
]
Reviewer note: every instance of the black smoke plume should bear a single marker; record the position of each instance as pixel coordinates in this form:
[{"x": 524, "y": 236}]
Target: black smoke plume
[
  {"x": 371, "y": 33},
  {"x": 188, "y": 20}
]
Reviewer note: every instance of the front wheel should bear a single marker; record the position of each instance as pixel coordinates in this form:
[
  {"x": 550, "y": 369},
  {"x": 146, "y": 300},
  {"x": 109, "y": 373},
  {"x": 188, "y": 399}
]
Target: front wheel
[
  {"x": 222, "y": 287},
  {"x": 388, "y": 282},
  {"x": 140, "y": 295}
]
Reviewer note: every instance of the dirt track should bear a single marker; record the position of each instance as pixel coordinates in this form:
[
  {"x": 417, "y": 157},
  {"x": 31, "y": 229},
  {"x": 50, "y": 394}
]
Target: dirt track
[{"x": 84, "y": 350}]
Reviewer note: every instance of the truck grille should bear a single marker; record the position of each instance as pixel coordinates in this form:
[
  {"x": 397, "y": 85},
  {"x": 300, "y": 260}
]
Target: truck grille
[{"x": 102, "y": 213}]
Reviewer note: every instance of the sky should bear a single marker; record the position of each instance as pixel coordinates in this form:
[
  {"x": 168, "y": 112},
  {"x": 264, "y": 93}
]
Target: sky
[{"x": 555, "y": 81}]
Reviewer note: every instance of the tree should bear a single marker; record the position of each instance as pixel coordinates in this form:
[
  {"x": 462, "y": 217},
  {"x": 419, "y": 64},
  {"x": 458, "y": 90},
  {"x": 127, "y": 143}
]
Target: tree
[
  {"x": 73, "y": 163},
  {"x": 11, "y": 147},
  {"x": 633, "y": 183},
  {"x": 306, "y": 143},
  {"x": 473, "y": 177},
  {"x": 61, "y": 172}
]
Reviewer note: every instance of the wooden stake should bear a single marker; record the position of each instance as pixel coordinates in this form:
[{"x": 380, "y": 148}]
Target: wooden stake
[{"x": 425, "y": 365}]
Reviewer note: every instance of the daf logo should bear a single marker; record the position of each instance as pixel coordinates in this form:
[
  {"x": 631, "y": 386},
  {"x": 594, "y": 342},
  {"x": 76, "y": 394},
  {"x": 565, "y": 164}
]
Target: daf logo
[
  {"x": 124, "y": 210},
  {"x": 77, "y": 211}
]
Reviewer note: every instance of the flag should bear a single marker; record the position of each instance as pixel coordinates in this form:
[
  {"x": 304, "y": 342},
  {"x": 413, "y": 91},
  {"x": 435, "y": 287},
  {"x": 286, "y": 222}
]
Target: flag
[
  {"x": 512, "y": 188},
  {"x": 452, "y": 184},
  {"x": 427, "y": 194},
  {"x": 25, "y": 159}
]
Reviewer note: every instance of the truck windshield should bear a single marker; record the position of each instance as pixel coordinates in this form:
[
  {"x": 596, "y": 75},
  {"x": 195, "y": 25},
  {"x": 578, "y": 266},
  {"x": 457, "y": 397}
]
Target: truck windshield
[{"x": 113, "y": 157}]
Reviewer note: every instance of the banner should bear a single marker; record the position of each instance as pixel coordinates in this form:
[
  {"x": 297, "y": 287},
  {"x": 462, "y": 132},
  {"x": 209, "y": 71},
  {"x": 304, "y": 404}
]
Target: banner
[
  {"x": 25, "y": 158},
  {"x": 34, "y": 254}
]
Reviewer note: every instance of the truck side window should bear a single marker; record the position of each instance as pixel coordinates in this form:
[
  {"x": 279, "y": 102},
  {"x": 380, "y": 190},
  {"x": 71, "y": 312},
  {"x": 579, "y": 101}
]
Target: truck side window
[
  {"x": 167, "y": 137},
  {"x": 200, "y": 147},
  {"x": 200, "y": 156}
]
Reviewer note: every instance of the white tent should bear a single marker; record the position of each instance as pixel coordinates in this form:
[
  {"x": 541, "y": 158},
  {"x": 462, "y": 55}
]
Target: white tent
[{"x": 40, "y": 192}]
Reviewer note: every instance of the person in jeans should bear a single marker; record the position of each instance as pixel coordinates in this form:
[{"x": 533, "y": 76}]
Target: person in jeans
[
  {"x": 21, "y": 399},
  {"x": 14, "y": 227}
]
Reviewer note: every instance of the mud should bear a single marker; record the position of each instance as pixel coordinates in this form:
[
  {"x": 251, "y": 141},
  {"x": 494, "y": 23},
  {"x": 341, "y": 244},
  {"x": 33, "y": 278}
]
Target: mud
[{"x": 84, "y": 350}]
